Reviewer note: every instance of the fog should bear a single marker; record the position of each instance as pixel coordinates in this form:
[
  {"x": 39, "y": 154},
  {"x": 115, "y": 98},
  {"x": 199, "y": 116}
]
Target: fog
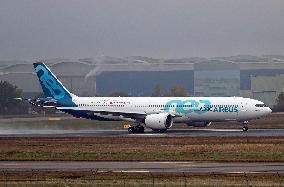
[{"x": 32, "y": 29}]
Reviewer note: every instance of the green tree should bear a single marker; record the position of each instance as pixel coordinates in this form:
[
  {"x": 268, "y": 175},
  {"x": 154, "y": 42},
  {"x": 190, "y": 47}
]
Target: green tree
[
  {"x": 8, "y": 105},
  {"x": 157, "y": 91},
  {"x": 177, "y": 91},
  {"x": 280, "y": 102}
]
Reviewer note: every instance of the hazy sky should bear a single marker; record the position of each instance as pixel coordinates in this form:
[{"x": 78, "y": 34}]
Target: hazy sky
[{"x": 31, "y": 29}]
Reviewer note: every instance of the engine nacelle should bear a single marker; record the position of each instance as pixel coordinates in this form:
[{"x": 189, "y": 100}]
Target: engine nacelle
[
  {"x": 199, "y": 123},
  {"x": 159, "y": 121}
]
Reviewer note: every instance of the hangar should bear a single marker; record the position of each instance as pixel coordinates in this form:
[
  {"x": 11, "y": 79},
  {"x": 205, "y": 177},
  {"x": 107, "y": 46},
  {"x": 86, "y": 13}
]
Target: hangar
[{"x": 137, "y": 76}]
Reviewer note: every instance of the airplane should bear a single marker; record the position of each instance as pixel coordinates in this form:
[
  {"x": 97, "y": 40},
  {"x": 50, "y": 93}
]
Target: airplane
[{"x": 156, "y": 113}]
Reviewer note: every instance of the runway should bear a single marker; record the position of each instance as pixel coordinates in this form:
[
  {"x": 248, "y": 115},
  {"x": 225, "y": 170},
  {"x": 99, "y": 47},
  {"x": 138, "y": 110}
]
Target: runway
[
  {"x": 133, "y": 166},
  {"x": 170, "y": 133}
]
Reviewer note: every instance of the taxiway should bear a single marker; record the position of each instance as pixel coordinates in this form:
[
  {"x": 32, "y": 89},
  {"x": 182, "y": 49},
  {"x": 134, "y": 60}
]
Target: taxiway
[{"x": 134, "y": 166}]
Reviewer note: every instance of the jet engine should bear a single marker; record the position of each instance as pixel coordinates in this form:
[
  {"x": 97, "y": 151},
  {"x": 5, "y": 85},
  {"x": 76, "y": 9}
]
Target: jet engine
[
  {"x": 199, "y": 123},
  {"x": 159, "y": 121}
]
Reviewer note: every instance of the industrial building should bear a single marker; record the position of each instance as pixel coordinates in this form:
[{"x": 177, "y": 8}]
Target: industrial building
[
  {"x": 138, "y": 76},
  {"x": 139, "y": 79},
  {"x": 266, "y": 88},
  {"x": 216, "y": 78},
  {"x": 262, "y": 81}
]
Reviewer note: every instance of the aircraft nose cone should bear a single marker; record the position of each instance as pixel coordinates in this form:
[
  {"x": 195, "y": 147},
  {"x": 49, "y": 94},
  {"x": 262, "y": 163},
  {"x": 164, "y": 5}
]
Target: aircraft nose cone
[{"x": 269, "y": 111}]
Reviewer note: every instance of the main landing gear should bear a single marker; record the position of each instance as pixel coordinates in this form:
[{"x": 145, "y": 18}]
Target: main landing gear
[
  {"x": 136, "y": 129},
  {"x": 245, "y": 126}
]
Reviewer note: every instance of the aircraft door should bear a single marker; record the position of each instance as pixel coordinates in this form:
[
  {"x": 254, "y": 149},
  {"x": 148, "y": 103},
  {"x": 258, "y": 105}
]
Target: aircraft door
[{"x": 243, "y": 112}]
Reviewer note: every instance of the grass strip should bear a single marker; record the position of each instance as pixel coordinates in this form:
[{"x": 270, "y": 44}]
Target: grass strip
[
  {"x": 139, "y": 179},
  {"x": 150, "y": 149}
]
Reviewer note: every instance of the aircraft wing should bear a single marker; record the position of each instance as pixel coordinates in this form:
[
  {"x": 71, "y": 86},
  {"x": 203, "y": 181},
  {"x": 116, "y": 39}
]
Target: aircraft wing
[{"x": 128, "y": 114}]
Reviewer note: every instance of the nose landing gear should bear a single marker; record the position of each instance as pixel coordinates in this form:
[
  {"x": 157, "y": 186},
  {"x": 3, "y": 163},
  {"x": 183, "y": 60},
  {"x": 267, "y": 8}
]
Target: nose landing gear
[{"x": 245, "y": 126}]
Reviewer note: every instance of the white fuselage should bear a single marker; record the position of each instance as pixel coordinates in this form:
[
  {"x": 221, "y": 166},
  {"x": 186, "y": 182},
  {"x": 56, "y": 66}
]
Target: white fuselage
[
  {"x": 184, "y": 109},
  {"x": 157, "y": 113}
]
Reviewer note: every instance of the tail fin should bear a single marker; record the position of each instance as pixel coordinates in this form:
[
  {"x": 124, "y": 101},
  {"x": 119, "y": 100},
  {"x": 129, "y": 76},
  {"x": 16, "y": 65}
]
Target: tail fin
[{"x": 51, "y": 86}]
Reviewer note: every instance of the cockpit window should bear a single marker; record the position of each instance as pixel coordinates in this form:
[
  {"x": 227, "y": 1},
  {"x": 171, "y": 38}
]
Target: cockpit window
[{"x": 260, "y": 105}]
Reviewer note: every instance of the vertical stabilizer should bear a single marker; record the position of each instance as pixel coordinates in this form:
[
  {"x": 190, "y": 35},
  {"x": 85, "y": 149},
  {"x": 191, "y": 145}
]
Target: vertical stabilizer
[{"x": 51, "y": 86}]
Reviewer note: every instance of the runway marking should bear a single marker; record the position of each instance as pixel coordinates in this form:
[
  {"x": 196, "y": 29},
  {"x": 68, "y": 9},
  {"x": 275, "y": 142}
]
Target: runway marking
[
  {"x": 131, "y": 171},
  {"x": 54, "y": 119}
]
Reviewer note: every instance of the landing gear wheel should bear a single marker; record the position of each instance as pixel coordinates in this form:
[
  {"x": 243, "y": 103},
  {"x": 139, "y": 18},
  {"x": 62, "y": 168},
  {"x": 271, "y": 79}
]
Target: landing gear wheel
[
  {"x": 131, "y": 130},
  {"x": 245, "y": 126},
  {"x": 140, "y": 129},
  {"x": 136, "y": 129}
]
